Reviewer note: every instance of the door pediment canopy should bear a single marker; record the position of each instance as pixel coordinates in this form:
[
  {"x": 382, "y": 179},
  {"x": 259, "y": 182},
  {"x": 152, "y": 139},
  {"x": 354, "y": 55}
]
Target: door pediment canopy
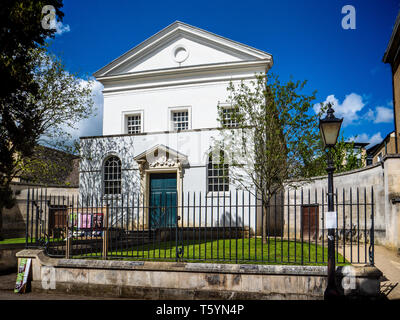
[{"x": 161, "y": 156}]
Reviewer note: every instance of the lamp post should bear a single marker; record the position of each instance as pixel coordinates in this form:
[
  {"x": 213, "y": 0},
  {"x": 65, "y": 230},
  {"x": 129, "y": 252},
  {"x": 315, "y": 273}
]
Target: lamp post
[{"x": 329, "y": 128}]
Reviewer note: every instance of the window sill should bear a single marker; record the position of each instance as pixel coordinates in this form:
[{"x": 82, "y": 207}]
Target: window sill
[
  {"x": 179, "y": 130},
  {"x": 111, "y": 197},
  {"x": 220, "y": 194}
]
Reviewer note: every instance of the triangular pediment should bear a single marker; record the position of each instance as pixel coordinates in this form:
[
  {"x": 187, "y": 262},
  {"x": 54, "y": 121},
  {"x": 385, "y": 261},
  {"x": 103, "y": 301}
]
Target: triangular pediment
[
  {"x": 181, "y": 45},
  {"x": 161, "y": 156}
]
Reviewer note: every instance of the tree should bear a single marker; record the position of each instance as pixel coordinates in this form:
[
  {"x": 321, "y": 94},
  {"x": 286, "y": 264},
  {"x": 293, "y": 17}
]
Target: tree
[
  {"x": 270, "y": 132},
  {"x": 48, "y": 166},
  {"x": 344, "y": 155},
  {"x": 63, "y": 100},
  {"x": 21, "y": 30},
  {"x": 270, "y": 123},
  {"x": 271, "y": 137}
]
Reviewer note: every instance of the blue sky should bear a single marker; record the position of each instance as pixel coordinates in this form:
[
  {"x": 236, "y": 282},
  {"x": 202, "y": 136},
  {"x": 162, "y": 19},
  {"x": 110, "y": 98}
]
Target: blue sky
[{"x": 306, "y": 39}]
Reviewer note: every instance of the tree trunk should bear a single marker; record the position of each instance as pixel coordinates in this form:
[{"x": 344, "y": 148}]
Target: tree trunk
[{"x": 273, "y": 217}]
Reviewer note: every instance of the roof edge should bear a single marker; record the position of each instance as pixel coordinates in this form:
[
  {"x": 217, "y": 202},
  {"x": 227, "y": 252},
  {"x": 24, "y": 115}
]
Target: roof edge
[
  {"x": 389, "y": 46},
  {"x": 170, "y": 28},
  {"x": 195, "y": 68}
]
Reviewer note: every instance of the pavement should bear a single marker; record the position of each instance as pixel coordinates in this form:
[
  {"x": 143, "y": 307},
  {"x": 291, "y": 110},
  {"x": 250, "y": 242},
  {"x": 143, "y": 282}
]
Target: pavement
[
  {"x": 388, "y": 261},
  {"x": 7, "y": 284}
]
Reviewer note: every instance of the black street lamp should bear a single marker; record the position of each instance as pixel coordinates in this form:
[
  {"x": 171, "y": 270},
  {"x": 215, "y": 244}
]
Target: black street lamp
[{"x": 329, "y": 128}]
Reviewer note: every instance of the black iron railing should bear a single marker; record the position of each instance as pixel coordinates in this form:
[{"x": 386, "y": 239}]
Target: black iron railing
[{"x": 229, "y": 226}]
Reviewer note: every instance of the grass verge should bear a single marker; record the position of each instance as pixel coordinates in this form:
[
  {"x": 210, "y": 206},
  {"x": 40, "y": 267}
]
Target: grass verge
[{"x": 252, "y": 251}]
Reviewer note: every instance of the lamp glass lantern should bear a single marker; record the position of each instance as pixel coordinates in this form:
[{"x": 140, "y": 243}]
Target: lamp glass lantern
[{"x": 329, "y": 128}]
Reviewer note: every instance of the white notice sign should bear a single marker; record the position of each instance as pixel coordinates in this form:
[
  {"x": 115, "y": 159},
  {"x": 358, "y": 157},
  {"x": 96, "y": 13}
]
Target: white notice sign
[{"x": 330, "y": 220}]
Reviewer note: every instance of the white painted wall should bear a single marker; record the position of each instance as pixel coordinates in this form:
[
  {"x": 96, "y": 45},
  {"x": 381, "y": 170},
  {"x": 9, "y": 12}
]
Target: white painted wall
[
  {"x": 156, "y": 104},
  {"x": 195, "y": 145},
  {"x": 156, "y": 81},
  {"x": 198, "y": 52}
]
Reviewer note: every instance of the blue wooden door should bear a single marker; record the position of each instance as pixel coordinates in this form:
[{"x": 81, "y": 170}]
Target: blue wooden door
[{"x": 163, "y": 199}]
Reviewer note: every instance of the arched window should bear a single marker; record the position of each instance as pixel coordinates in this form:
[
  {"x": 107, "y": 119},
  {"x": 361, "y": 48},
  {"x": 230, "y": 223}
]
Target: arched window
[
  {"x": 217, "y": 173},
  {"x": 112, "y": 175}
]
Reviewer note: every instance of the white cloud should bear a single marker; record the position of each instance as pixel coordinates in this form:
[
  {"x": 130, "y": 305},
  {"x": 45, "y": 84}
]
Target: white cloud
[
  {"x": 383, "y": 115},
  {"x": 351, "y": 106},
  {"x": 348, "y": 109},
  {"x": 364, "y": 137},
  {"x": 61, "y": 28},
  {"x": 92, "y": 126},
  {"x": 379, "y": 115},
  {"x": 369, "y": 115}
]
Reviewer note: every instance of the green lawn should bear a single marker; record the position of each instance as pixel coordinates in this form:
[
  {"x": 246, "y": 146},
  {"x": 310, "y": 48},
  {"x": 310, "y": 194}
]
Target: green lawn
[
  {"x": 13, "y": 240},
  {"x": 228, "y": 251},
  {"x": 22, "y": 240}
]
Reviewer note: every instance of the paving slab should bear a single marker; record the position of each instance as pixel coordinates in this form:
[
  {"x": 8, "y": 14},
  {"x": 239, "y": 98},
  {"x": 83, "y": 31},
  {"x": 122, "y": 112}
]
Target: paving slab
[
  {"x": 7, "y": 283},
  {"x": 388, "y": 261}
]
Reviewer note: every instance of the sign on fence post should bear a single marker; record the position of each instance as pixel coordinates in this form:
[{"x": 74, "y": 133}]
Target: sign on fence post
[
  {"x": 105, "y": 234},
  {"x": 330, "y": 220}
]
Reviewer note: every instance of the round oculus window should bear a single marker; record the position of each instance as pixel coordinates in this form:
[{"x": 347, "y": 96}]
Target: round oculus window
[{"x": 180, "y": 53}]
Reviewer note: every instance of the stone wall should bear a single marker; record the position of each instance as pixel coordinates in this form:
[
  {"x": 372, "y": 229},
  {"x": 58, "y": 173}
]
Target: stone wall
[
  {"x": 173, "y": 280},
  {"x": 383, "y": 178},
  {"x": 14, "y": 219},
  {"x": 8, "y": 258}
]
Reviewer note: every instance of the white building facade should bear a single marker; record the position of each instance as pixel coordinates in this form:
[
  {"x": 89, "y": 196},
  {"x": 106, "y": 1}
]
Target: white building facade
[{"x": 160, "y": 115}]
